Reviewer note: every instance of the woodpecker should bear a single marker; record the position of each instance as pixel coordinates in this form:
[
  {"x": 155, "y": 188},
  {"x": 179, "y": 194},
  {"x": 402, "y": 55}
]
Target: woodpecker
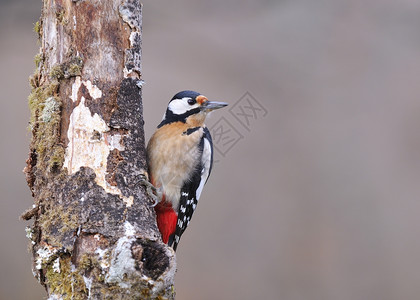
[{"x": 180, "y": 159}]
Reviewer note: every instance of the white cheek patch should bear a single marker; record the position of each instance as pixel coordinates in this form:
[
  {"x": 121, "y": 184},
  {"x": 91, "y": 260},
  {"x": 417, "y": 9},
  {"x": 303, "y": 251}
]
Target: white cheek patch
[{"x": 181, "y": 106}]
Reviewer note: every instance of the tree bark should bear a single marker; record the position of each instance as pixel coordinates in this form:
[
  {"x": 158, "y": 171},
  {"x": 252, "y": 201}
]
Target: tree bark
[{"x": 94, "y": 234}]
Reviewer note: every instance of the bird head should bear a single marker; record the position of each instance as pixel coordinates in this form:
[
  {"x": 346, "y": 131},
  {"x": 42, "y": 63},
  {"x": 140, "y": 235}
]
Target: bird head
[{"x": 189, "y": 107}]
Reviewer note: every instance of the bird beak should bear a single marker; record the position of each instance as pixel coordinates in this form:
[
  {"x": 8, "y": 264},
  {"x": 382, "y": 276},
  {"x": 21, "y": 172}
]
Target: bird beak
[{"x": 212, "y": 105}]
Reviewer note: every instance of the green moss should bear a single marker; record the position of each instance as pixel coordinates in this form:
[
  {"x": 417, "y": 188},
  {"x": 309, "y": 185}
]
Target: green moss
[
  {"x": 68, "y": 283},
  {"x": 90, "y": 264},
  {"x": 140, "y": 289},
  {"x": 73, "y": 67},
  {"x": 57, "y": 72},
  {"x": 145, "y": 293},
  {"x": 86, "y": 262},
  {"x": 75, "y": 70},
  {"x": 34, "y": 80},
  {"x": 38, "y": 28},
  {"x": 56, "y": 160},
  {"x": 61, "y": 17},
  {"x": 45, "y": 117},
  {"x": 60, "y": 219},
  {"x": 34, "y": 101},
  {"x": 37, "y": 59},
  {"x": 45, "y": 108},
  {"x": 39, "y": 95}
]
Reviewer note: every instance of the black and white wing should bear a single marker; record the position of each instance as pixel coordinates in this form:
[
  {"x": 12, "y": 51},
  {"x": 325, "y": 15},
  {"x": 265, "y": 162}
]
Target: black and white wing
[{"x": 191, "y": 190}]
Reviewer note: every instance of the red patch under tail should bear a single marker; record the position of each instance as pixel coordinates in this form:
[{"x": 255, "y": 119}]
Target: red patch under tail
[{"x": 166, "y": 219}]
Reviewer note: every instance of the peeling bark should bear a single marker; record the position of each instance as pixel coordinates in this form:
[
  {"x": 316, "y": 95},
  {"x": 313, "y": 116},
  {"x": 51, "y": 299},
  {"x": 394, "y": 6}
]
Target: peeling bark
[{"x": 94, "y": 234}]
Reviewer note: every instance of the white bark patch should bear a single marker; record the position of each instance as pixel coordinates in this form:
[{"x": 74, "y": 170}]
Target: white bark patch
[
  {"x": 128, "y": 201},
  {"x": 122, "y": 259},
  {"x": 132, "y": 38},
  {"x": 103, "y": 257},
  {"x": 44, "y": 255},
  {"x": 114, "y": 142},
  {"x": 75, "y": 88},
  {"x": 89, "y": 141},
  {"x": 130, "y": 73},
  {"x": 29, "y": 232},
  {"x": 129, "y": 229},
  {"x": 56, "y": 265},
  {"x": 126, "y": 72},
  {"x": 87, "y": 147},
  {"x": 88, "y": 283},
  {"x": 94, "y": 91}
]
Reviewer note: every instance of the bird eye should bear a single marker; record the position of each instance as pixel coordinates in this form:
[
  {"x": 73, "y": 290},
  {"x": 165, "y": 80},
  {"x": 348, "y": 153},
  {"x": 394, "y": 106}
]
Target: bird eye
[{"x": 191, "y": 101}]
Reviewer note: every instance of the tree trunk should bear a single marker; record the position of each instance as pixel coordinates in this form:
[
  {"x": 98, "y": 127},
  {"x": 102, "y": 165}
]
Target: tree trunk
[{"x": 94, "y": 234}]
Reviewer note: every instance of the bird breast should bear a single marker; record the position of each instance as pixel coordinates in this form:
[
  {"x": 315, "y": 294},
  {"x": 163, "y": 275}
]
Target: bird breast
[{"x": 173, "y": 159}]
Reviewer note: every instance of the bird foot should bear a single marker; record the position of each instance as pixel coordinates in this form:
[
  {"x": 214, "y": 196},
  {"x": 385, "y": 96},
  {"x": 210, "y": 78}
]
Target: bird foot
[{"x": 151, "y": 190}]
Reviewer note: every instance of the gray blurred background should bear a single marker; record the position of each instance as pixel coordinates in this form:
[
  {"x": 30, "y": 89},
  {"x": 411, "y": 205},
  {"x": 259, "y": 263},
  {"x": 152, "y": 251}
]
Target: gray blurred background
[{"x": 315, "y": 193}]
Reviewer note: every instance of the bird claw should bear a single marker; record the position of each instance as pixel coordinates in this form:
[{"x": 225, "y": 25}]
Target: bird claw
[{"x": 151, "y": 190}]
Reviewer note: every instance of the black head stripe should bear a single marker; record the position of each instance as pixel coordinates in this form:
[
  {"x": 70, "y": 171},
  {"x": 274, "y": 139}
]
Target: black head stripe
[
  {"x": 170, "y": 117},
  {"x": 186, "y": 94}
]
